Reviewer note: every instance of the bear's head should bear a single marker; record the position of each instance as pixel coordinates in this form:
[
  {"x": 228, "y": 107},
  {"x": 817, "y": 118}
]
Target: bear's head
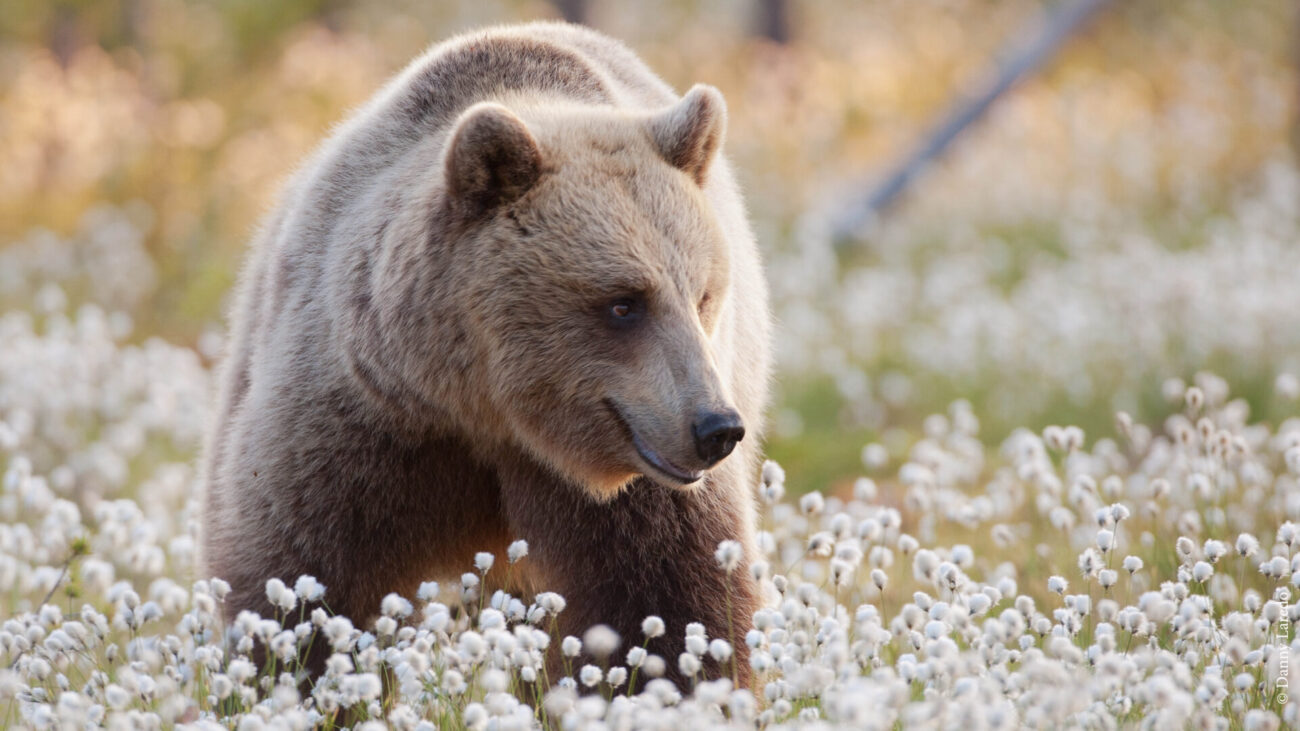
[{"x": 596, "y": 274}]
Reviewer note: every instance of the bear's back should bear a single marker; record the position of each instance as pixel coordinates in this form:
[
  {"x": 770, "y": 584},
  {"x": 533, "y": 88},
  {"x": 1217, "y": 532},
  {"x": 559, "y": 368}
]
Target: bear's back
[{"x": 554, "y": 60}]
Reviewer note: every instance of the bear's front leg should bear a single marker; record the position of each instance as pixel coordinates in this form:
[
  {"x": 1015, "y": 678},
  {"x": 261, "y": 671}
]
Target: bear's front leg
[{"x": 650, "y": 551}]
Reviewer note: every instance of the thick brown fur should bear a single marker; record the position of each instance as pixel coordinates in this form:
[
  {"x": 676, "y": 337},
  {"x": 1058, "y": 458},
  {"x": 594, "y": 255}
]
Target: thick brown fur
[{"x": 422, "y": 366}]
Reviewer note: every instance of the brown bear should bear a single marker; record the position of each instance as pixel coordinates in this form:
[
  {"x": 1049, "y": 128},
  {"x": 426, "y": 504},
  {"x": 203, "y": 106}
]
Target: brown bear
[{"x": 515, "y": 296}]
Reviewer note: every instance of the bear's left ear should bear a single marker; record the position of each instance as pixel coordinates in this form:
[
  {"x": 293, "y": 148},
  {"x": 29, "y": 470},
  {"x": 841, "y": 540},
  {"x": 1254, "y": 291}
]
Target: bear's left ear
[
  {"x": 690, "y": 132},
  {"x": 492, "y": 159}
]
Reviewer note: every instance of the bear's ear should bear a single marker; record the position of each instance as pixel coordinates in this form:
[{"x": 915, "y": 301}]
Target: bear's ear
[
  {"x": 690, "y": 132},
  {"x": 492, "y": 159}
]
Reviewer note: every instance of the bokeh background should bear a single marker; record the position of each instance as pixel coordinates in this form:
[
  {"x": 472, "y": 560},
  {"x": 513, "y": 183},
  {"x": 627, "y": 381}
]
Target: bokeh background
[{"x": 1127, "y": 215}]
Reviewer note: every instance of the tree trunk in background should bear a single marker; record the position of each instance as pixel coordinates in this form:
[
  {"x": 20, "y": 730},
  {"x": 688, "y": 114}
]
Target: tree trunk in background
[
  {"x": 65, "y": 36},
  {"x": 774, "y": 20},
  {"x": 574, "y": 11}
]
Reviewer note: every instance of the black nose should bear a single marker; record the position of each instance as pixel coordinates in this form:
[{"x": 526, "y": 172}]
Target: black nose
[{"x": 716, "y": 434}]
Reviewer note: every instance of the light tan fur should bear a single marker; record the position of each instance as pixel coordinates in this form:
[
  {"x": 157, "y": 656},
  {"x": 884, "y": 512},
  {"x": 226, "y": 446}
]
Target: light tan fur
[{"x": 421, "y": 366}]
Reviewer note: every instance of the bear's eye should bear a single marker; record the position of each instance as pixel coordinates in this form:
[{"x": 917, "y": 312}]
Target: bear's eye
[{"x": 624, "y": 312}]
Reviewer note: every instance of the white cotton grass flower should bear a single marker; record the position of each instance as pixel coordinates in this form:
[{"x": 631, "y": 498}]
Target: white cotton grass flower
[
  {"x": 868, "y": 530},
  {"x": 340, "y": 633},
  {"x": 697, "y": 644},
  {"x": 962, "y": 555},
  {"x": 875, "y": 457},
  {"x": 385, "y": 626},
  {"x": 1074, "y": 438},
  {"x": 490, "y": 619},
  {"x": 601, "y": 641},
  {"x": 1251, "y": 601},
  {"x": 516, "y": 551},
  {"x": 1061, "y": 518},
  {"x": 772, "y": 489},
  {"x": 720, "y": 650},
  {"x": 772, "y": 473},
  {"x": 1090, "y": 562},
  {"x": 220, "y": 588},
  {"x": 1105, "y": 540},
  {"x": 1202, "y": 571},
  {"x": 1275, "y": 568},
  {"x": 821, "y": 544},
  {"x": 469, "y": 587},
  {"x": 1292, "y": 459},
  {"x": 308, "y": 589},
  {"x": 394, "y": 605},
  {"x": 652, "y": 627},
  {"x": 1057, "y": 584},
  {"x": 1247, "y": 545},
  {"x": 1054, "y": 438},
  {"x": 476, "y": 716},
  {"x": 728, "y": 555},
  {"x": 590, "y": 676},
  {"x": 551, "y": 603},
  {"x": 907, "y": 545},
  {"x": 616, "y": 677},
  {"x": 865, "y": 489},
  {"x": 571, "y": 646},
  {"x": 483, "y": 561},
  {"x": 636, "y": 657},
  {"x": 280, "y": 596},
  {"x": 812, "y": 503},
  {"x": 1287, "y": 386},
  {"x": 880, "y": 557},
  {"x": 925, "y": 565},
  {"x": 689, "y": 664},
  {"x": 841, "y": 572},
  {"x": 1287, "y": 533}
]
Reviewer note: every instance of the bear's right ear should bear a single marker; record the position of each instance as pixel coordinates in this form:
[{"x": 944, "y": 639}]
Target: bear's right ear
[
  {"x": 690, "y": 132},
  {"x": 492, "y": 159}
]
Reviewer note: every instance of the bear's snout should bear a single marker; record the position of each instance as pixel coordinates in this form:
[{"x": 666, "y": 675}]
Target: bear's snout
[{"x": 716, "y": 434}]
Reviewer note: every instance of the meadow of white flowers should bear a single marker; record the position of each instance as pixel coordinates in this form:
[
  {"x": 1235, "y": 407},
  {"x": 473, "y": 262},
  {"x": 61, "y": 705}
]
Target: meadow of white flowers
[
  {"x": 1084, "y": 296},
  {"x": 1065, "y": 580},
  {"x": 1127, "y": 216}
]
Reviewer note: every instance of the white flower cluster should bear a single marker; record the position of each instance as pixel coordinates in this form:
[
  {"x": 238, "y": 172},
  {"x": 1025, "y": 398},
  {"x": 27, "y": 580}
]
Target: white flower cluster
[
  {"x": 1071, "y": 304},
  {"x": 106, "y": 259},
  {"x": 1055, "y": 583}
]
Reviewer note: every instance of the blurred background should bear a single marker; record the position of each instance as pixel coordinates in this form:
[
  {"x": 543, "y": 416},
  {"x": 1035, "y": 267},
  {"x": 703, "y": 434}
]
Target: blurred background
[{"x": 1125, "y": 215}]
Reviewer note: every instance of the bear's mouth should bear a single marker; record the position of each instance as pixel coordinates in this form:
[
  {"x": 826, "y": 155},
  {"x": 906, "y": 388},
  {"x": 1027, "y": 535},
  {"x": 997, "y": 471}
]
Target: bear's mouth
[{"x": 647, "y": 453}]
